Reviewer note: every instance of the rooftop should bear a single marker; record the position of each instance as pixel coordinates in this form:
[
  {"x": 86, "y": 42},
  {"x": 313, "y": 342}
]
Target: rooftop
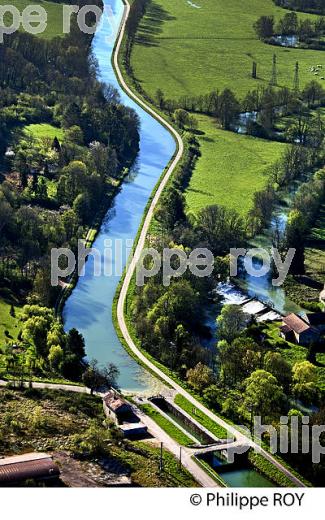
[
  {"x": 296, "y": 323},
  {"x": 114, "y": 401},
  {"x": 28, "y": 466}
]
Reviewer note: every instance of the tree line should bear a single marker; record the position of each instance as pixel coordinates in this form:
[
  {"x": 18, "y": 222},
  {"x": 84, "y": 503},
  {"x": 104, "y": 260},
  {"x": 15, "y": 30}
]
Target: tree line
[
  {"x": 289, "y": 25},
  {"x": 308, "y": 6}
]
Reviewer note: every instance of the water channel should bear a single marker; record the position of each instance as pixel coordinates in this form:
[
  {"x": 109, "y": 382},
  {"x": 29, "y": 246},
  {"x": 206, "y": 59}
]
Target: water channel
[{"x": 89, "y": 308}]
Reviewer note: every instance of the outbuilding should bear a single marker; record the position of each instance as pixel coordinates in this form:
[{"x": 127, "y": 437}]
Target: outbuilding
[
  {"x": 30, "y": 466},
  {"x": 115, "y": 407},
  {"x": 297, "y": 330}
]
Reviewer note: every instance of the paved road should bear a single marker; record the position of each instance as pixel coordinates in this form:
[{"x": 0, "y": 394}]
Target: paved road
[{"x": 241, "y": 439}]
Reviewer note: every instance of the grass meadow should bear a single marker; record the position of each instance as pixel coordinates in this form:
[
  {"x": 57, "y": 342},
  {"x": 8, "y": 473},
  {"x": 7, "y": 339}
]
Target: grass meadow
[
  {"x": 44, "y": 131},
  {"x": 189, "y": 51},
  {"x": 231, "y": 168},
  {"x": 9, "y": 325},
  {"x": 54, "y": 16}
]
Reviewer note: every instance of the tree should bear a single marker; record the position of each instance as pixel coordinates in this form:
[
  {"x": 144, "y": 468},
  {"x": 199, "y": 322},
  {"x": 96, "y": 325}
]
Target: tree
[
  {"x": 75, "y": 343},
  {"x": 229, "y": 108},
  {"x": 288, "y": 25},
  {"x": 231, "y": 322},
  {"x": 237, "y": 359},
  {"x": 160, "y": 98},
  {"x": 220, "y": 228},
  {"x": 295, "y": 239},
  {"x": 97, "y": 378},
  {"x": 304, "y": 372},
  {"x": 35, "y": 331},
  {"x": 264, "y": 27},
  {"x": 263, "y": 394},
  {"x": 55, "y": 357},
  {"x": 181, "y": 117},
  {"x": 200, "y": 377},
  {"x": 279, "y": 368},
  {"x": 213, "y": 396},
  {"x": 74, "y": 134},
  {"x": 82, "y": 208}
]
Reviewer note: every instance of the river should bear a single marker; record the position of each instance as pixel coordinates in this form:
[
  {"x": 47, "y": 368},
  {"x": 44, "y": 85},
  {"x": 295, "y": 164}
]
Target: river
[{"x": 89, "y": 308}]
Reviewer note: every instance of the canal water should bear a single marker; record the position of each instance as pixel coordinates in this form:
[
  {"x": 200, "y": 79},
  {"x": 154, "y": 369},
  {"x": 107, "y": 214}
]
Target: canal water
[
  {"x": 244, "y": 475},
  {"x": 89, "y": 308}
]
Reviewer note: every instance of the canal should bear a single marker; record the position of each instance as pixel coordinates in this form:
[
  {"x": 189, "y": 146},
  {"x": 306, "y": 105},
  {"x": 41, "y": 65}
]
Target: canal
[{"x": 89, "y": 308}]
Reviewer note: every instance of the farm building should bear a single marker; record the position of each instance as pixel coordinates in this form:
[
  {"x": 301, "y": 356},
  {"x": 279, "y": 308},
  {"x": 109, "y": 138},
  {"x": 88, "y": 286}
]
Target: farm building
[
  {"x": 299, "y": 330},
  {"x": 120, "y": 411},
  {"x": 30, "y": 466},
  {"x": 115, "y": 407}
]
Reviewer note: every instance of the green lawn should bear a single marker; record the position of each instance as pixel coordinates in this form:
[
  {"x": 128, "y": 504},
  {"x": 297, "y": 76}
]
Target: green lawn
[
  {"x": 231, "y": 168},
  {"x": 315, "y": 251},
  {"x": 187, "y": 51},
  {"x": 200, "y": 417},
  {"x": 54, "y": 16},
  {"x": 7, "y": 322},
  {"x": 171, "y": 430},
  {"x": 44, "y": 130}
]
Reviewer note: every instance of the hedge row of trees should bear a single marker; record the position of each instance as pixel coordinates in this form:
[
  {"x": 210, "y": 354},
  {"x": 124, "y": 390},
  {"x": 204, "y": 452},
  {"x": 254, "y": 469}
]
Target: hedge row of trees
[
  {"x": 305, "y": 208},
  {"x": 269, "y": 103},
  {"x": 290, "y": 25}
]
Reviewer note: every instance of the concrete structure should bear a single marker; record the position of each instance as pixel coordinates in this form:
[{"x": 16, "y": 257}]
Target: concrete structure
[
  {"x": 30, "y": 466},
  {"x": 136, "y": 429}
]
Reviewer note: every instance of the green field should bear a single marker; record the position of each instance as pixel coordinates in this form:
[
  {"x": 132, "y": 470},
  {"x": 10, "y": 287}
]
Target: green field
[
  {"x": 54, "y": 16},
  {"x": 188, "y": 51},
  {"x": 9, "y": 325},
  {"x": 315, "y": 251},
  {"x": 231, "y": 168},
  {"x": 44, "y": 130}
]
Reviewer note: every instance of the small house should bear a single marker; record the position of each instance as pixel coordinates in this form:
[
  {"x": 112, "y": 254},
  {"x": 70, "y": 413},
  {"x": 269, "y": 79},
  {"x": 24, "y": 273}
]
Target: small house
[
  {"x": 297, "y": 330},
  {"x": 115, "y": 407}
]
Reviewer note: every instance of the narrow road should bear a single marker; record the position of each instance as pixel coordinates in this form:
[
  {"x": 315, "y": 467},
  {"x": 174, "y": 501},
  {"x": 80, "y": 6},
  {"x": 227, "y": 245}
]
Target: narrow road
[
  {"x": 241, "y": 439},
  {"x": 50, "y": 386}
]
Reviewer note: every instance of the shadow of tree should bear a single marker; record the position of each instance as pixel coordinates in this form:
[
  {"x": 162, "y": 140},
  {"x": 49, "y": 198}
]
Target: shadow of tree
[{"x": 151, "y": 25}]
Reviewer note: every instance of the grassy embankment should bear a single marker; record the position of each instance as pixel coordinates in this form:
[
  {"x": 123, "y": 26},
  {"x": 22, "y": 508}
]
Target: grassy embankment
[
  {"x": 200, "y": 417},
  {"x": 171, "y": 430}
]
